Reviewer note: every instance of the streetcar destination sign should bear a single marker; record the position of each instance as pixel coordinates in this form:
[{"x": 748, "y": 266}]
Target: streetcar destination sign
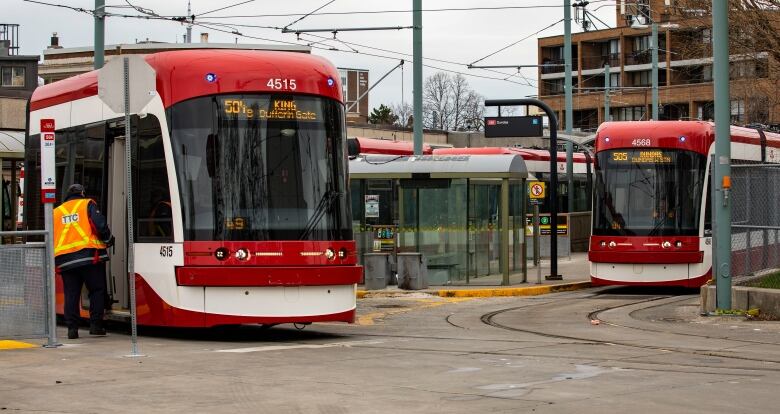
[{"x": 513, "y": 126}]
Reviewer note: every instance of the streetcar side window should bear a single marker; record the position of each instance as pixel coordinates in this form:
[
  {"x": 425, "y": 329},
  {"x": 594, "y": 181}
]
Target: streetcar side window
[{"x": 152, "y": 196}]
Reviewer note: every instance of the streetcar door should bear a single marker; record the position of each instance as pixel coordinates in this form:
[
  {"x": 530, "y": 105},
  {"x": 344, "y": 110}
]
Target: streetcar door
[{"x": 117, "y": 221}]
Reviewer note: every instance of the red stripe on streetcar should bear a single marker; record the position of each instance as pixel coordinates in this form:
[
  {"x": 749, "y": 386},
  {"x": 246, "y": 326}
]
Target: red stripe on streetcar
[
  {"x": 689, "y": 283},
  {"x": 268, "y": 276}
]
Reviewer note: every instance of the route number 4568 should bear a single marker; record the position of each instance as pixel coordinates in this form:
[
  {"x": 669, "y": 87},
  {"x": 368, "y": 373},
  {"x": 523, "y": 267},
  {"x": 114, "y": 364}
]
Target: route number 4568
[
  {"x": 278, "y": 83},
  {"x": 641, "y": 142}
]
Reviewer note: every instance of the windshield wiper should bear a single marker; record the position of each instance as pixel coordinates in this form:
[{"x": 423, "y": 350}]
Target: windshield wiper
[{"x": 319, "y": 212}]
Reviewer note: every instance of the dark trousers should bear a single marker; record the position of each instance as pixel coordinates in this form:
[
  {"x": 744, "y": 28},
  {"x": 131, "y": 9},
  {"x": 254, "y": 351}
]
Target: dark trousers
[{"x": 94, "y": 275}]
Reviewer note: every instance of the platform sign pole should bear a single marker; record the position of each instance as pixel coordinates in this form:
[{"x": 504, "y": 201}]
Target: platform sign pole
[
  {"x": 537, "y": 252},
  {"x": 48, "y": 198},
  {"x": 130, "y": 238}
]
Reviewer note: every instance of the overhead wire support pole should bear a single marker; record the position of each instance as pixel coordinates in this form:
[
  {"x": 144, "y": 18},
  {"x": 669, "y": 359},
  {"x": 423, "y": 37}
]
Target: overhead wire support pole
[
  {"x": 569, "y": 105},
  {"x": 417, "y": 74},
  {"x": 606, "y": 93},
  {"x": 100, "y": 29},
  {"x": 722, "y": 162},
  {"x": 654, "y": 75},
  {"x": 374, "y": 85}
]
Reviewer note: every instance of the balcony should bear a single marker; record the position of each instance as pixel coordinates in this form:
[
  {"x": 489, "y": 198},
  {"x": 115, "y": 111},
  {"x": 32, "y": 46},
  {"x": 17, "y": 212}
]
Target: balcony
[
  {"x": 638, "y": 57},
  {"x": 598, "y": 62},
  {"x": 559, "y": 66}
]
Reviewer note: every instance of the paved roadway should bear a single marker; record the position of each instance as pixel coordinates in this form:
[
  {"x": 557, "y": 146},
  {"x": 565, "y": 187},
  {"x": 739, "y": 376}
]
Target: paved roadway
[{"x": 651, "y": 352}]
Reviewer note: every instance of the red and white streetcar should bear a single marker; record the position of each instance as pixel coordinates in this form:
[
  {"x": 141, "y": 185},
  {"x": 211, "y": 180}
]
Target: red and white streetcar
[
  {"x": 651, "y": 199},
  {"x": 241, "y": 202}
]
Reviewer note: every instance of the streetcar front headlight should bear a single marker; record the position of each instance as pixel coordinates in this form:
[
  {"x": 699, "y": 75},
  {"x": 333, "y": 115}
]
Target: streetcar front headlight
[
  {"x": 330, "y": 254},
  {"x": 242, "y": 254}
]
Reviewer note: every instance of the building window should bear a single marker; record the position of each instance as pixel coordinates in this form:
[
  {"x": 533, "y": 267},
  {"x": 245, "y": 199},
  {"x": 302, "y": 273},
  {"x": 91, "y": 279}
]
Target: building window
[
  {"x": 737, "y": 111},
  {"x": 641, "y": 43},
  {"x": 555, "y": 86},
  {"x": 343, "y": 75},
  {"x": 631, "y": 113},
  {"x": 12, "y": 77},
  {"x": 614, "y": 80},
  {"x": 642, "y": 78}
]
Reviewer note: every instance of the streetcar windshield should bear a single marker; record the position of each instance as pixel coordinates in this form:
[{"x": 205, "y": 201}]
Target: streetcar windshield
[
  {"x": 648, "y": 192},
  {"x": 261, "y": 167}
]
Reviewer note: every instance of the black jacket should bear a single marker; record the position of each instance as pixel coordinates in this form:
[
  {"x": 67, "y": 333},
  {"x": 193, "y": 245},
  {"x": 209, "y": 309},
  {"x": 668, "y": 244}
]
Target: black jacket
[{"x": 90, "y": 256}]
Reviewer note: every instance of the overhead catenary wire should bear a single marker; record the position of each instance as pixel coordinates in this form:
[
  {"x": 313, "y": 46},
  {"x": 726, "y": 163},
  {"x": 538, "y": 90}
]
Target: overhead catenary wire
[
  {"x": 224, "y": 8},
  {"x": 309, "y": 14},
  {"x": 151, "y": 15}
]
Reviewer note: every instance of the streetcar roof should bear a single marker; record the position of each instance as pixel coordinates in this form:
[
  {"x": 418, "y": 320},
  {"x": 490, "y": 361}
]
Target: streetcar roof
[
  {"x": 699, "y": 135},
  {"x": 181, "y": 75},
  {"x": 438, "y": 166}
]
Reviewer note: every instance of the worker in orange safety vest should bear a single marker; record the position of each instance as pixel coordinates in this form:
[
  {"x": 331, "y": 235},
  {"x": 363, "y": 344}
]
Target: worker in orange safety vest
[{"x": 81, "y": 239}]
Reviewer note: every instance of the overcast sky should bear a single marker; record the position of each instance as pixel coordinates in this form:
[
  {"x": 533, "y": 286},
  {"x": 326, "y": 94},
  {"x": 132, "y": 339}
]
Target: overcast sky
[{"x": 457, "y": 36}]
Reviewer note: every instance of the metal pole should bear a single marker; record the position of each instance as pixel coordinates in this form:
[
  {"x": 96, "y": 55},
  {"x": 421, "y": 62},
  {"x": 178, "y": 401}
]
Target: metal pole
[
  {"x": 654, "y": 75},
  {"x": 537, "y": 250},
  {"x": 505, "y": 231},
  {"x": 374, "y": 85},
  {"x": 722, "y": 168},
  {"x": 49, "y": 268},
  {"x": 100, "y": 28},
  {"x": 417, "y": 74},
  {"x": 188, "y": 37},
  {"x": 569, "y": 104},
  {"x": 130, "y": 221},
  {"x": 606, "y": 93}
]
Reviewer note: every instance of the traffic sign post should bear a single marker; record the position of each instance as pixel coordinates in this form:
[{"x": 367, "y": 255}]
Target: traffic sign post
[
  {"x": 48, "y": 198},
  {"x": 536, "y": 193},
  {"x": 114, "y": 89}
]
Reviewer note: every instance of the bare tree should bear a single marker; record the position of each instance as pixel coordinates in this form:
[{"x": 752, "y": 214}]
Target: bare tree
[
  {"x": 754, "y": 38},
  {"x": 404, "y": 112},
  {"x": 437, "y": 101},
  {"x": 449, "y": 103}
]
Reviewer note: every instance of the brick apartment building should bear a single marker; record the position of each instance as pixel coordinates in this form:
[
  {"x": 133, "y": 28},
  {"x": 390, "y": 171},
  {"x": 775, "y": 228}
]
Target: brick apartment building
[{"x": 685, "y": 71}]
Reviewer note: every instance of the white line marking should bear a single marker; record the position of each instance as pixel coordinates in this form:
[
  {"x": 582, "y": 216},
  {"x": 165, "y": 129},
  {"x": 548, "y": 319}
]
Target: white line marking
[{"x": 299, "y": 346}]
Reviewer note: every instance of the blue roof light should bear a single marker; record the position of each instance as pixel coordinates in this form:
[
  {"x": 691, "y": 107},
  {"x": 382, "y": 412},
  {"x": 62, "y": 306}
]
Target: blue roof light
[{"x": 211, "y": 77}]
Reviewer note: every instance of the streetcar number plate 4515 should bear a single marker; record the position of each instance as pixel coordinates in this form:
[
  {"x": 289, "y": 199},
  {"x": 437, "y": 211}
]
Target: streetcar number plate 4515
[
  {"x": 281, "y": 83},
  {"x": 641, "y": 142}
]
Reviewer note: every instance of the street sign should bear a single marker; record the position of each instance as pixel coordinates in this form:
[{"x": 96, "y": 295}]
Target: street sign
[
  {"x": 48, "y": 163},
  {"x": 111, "y": 81},
  {"x": 536, "y": 191},
  {"x": 513, "y": 126}
]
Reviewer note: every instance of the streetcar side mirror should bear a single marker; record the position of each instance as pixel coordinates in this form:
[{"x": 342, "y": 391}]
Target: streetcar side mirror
[{"x": 212, "y": 154}]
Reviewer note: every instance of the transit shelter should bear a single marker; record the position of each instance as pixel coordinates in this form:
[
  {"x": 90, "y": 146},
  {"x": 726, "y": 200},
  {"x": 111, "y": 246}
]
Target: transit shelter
[{"x": 463, "y": 213}]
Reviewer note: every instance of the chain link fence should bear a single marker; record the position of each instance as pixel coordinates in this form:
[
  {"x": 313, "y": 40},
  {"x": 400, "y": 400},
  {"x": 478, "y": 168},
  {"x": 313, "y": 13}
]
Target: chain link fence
[
  {"x": 25, "y": 299},
  {"x": 755, "y": 219}
]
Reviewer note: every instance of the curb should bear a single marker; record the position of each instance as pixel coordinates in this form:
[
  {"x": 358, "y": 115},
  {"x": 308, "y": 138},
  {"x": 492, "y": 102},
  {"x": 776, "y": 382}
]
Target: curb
[{"x": 479, "y": 293}]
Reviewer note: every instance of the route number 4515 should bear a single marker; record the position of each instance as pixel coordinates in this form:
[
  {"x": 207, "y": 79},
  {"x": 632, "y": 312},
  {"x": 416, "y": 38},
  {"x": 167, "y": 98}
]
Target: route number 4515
[
  {"x": 641, "y": 142},
  {"x": 278, "y": 83}
]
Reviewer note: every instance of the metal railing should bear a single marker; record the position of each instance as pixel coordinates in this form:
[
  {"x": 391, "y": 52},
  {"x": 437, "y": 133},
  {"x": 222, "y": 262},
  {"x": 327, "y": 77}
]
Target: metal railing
[
  {"x": 27, "y": 288},
  {"x": 755, "y": 219}
]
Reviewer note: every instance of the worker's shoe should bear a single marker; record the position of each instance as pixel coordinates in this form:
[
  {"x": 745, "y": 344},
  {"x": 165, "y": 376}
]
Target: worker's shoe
[
  {"x": 73, "y": 333},
  {"x": 97, "y": 329}
]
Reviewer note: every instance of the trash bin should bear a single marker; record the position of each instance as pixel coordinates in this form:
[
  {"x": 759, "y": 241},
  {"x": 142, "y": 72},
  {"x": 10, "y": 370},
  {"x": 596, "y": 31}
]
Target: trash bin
[
  {"x": 412, "y": 271},
  {"x": 376, "y": 270}
]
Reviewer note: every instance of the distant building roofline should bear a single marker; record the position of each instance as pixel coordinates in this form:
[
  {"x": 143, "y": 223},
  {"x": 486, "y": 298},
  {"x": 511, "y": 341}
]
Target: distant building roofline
[{"x": 179, "y": 46}]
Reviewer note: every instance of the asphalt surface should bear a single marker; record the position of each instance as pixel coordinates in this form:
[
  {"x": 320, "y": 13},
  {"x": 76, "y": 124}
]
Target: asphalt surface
[{"x": 649, "y": 352}]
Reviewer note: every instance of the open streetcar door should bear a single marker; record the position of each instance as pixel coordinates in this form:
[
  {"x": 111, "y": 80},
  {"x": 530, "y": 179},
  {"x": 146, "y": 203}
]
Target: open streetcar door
[{"x": 117, "y": 215}]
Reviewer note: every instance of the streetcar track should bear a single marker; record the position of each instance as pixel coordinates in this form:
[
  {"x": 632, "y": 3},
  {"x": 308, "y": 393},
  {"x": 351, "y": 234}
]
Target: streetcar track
[{"x": 487, "y": 319}]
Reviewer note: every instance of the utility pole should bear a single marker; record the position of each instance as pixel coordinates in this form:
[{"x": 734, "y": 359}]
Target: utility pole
[
  {"x": 654, "y": 75},
  {"x": 569, "y": 105},
  {"x": 188, "y": 39},
  {"x": 606, "y": 93},
  {"x": 417, "y": 75},
  {"x": 722, "y": 163},
  {"x": 100, "y": 28}
]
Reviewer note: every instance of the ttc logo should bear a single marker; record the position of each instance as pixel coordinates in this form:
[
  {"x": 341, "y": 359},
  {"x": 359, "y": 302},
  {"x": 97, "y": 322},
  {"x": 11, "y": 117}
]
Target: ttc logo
[{"x": 71, "y": 218}]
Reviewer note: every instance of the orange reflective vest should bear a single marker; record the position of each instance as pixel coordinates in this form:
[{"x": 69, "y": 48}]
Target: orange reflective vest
[{"x": 72, "y": 228}]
